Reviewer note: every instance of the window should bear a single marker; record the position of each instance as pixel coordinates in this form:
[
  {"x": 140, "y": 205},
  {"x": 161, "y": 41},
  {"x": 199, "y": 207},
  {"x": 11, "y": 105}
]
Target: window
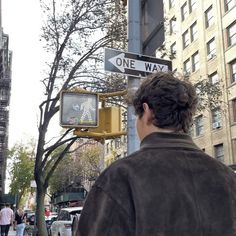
[
  {"x": 234, "y": 148},
  {"x": 234, "y": 109},
  {"x": 193, "y": 31},
  {"x": 211, "y": 49},
  {"x": 171, "y": 3},
  {"x": 184, "y": 11},
  {"x": 216, "y": 118},
  {"x": 3, "y": 115},
  {"x": 214, "y": 78},
  {"x": 173, "y": 48},
  {"x": 173, "y": 25},
  {"x": 219, "y": 152},
  {"x": 107, "y": 148},
  {"x": 209, "y": 19},
  {"x": 186, "y": 40},
  {"x": 191, "y": 131},
  {"x": 199, "y": 125},
  {"x": 2, "y": 130},
  {"x": 173, "y": 51},
  {"x": 125, "y": 139},
  {"x": 174, "y": 70},
  {"x": 229, "y": 4},
  {"x": 192, "y": 5},
  {"x": 4, "y": 94},
  {"x": 233, "y": 71},
  {"x": 187, "y": 67},
  {"x": 117, "y": 142},
  {"x": 231, "y": 33},
  {"x": 195, "y": 61}
]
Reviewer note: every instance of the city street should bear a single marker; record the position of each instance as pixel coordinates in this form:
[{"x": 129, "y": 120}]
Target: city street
[{"x": 118, "y": 117}]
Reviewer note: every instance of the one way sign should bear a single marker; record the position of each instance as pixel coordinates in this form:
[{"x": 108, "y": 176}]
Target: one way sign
[{"x": 134, "y": 64}]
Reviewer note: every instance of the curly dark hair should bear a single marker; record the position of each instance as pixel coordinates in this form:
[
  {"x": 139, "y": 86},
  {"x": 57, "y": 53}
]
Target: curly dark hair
[{"x": 173, "y": 101}]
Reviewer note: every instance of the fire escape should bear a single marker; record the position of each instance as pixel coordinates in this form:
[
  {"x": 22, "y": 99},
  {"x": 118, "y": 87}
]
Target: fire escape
[{"x": 5, "y": 88}]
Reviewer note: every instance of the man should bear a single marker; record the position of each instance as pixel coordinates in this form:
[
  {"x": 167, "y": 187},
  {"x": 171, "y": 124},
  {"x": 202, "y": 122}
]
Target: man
[
  {"x": 169, "y": 187},
  {"x": 6, "y": 219}
]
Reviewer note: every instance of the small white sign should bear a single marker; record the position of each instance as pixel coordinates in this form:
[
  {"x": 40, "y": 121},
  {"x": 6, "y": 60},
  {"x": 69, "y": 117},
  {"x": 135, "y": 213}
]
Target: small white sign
[{"x": 33, "y": 184}]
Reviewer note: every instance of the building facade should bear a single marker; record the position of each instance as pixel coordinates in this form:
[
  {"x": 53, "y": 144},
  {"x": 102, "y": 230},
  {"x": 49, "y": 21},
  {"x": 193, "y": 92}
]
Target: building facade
[
  {"x": 201, "y": 38},
  {"x": 115, "y": 149},
  {"x": 5, "y": 88}
]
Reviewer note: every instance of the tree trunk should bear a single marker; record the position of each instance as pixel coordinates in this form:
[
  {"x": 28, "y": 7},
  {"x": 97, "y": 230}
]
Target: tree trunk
[{"x": 40, "y": 214}]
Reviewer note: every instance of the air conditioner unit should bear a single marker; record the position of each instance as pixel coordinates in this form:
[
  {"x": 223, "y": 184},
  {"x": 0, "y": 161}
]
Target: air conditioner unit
[
  {"x": 216, "y": 125},
  {"x": 210, "y": 56},
  {"x": 187, "y": 73}
]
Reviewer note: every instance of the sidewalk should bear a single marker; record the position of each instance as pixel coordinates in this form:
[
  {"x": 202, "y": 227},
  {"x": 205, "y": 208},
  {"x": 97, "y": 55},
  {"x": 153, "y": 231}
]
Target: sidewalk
[{"x": 11, "y": 232}]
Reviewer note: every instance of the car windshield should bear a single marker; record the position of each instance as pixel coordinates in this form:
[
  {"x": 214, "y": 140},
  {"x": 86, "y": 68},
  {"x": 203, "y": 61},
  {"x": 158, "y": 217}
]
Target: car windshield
[{"x": 75, "y": 212}]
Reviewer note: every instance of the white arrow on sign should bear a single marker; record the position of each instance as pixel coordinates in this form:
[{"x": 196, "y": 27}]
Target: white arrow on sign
[{"x": 122, "y": 63}]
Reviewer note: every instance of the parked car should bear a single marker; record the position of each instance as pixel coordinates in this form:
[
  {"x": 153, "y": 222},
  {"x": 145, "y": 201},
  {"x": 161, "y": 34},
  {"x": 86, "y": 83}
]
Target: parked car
[{"x": 62, "y": 225}]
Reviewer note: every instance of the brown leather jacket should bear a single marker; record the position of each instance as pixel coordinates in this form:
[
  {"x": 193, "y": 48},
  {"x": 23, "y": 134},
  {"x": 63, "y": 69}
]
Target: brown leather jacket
[{"x": 167, "y": 188}]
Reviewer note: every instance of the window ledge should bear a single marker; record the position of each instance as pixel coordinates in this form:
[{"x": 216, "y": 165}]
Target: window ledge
[
  {"x": 232, "y": 85},
  {"x": 217, "y": 129},
  {"x": 230, "y": 46},
  {"x": 198, "y": 136},
  {"x": 226, "y": 12}
]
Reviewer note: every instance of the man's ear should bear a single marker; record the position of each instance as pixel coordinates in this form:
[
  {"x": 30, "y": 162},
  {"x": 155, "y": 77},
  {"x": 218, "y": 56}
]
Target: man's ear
[{"x": 148, "y": 113}]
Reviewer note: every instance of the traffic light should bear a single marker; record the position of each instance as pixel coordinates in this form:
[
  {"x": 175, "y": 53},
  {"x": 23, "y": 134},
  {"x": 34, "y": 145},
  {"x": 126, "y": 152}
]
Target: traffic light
[
  {"x": 110, "y": 125},
  {"x": 79, "y": 110}
]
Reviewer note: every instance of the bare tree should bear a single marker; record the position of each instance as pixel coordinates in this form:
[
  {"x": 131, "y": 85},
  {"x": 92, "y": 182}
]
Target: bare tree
[
  {"x": 75, "y": 33},
  {"x": 81, "y": 166}
]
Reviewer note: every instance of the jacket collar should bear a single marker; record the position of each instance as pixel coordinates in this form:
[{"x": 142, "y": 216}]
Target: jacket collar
[{"x": 168, "y": 140}]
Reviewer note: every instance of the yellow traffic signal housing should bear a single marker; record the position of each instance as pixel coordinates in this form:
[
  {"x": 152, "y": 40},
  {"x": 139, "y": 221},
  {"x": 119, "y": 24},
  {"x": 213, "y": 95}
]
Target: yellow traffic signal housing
[{"x": 109, "y": 120}]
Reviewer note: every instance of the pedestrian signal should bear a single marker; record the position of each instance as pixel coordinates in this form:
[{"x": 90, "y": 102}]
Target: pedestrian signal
[
  {"x": 110, "y": 125},
  {"x": 79, "y": 109}
]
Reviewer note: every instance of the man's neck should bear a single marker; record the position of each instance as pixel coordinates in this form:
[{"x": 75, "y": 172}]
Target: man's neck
[{"x": 154, "y": 129}]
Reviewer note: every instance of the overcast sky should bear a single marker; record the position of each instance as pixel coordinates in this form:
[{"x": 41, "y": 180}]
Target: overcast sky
[{"x": 21, "y": 21}]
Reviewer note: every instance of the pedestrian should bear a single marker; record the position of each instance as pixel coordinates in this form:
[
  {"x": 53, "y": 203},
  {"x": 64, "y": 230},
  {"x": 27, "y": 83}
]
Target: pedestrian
[
  {"x": 47, "y": 212},
  {"x": 6, "y": 219},
  {"x": 169, "y": 187},
  {"x": 19, "y": 222}
]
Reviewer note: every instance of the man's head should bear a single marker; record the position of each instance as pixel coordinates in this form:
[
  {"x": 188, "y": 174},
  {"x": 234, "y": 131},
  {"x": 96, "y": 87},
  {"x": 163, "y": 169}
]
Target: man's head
[{"x": 164, "y": 103}]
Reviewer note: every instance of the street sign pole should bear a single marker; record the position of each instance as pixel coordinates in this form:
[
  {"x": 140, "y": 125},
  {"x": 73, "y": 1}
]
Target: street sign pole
[{"x": 134, "y": 46}]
